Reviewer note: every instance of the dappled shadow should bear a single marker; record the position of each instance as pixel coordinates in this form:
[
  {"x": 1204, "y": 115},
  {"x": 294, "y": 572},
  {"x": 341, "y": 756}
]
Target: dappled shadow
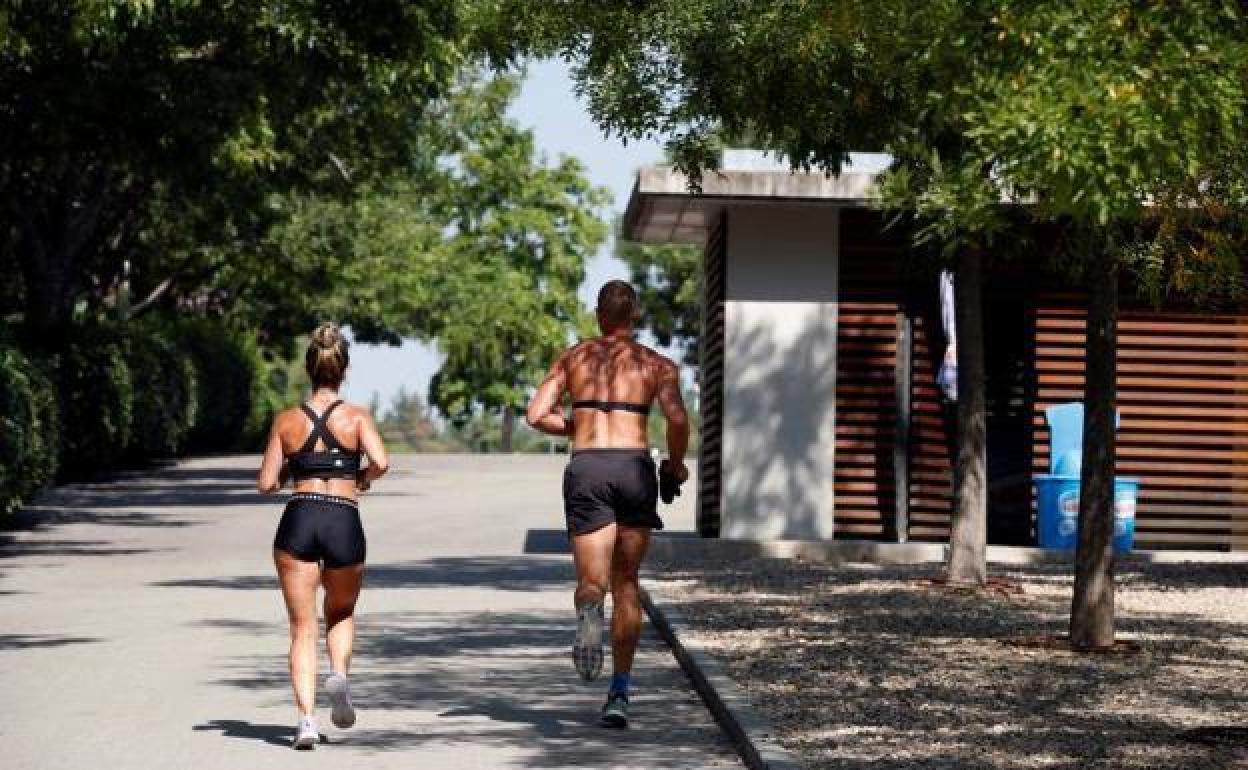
[
  {"x": 546, "y": 541},
  {"x": 130, "y": 501},
  {"x": 143, "y": 497},
  {"x": 497, "y": 680},
  {"x": 36, "y": 641},
  {"x": 274, "y": 735},
  {"x": 506, "y": 573},
  {"x": 240, "y": 476},
  {"x": 39, "y": 517},
  {"x": 11, "y": 548},
  {"x": 776, "y": 438},
  {"x": 909, "y": 676}
]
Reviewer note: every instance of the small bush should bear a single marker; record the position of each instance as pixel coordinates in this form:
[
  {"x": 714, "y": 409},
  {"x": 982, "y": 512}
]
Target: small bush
[
  {"x": 165, "y": 396},
  {"x": 29, "y": 429},
  {"x": 225, "y": 373},
  {"x": 96, "y": 397}
]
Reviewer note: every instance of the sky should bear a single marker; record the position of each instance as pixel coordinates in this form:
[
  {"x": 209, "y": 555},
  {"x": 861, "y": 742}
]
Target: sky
[{"x": 549, "y": 106}]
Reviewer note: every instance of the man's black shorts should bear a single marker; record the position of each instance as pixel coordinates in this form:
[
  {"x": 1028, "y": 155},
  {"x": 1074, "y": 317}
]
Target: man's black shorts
[{"x": 604, "y": 486}]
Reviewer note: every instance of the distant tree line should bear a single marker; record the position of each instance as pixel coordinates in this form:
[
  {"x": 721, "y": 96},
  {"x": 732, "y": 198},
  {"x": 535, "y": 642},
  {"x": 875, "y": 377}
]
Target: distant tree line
[{"x": 408, "y": 424}]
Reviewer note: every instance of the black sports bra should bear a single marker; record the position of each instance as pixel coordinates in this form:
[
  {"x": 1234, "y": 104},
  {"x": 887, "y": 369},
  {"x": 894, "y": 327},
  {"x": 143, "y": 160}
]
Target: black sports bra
[
  {"x": 612, "y": 406},
  {"x": 336, "y": 462}
]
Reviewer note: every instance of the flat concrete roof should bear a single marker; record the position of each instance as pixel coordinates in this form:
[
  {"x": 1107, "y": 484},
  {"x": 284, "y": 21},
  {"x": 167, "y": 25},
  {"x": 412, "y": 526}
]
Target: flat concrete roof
[{"x": 662, "y": 209}]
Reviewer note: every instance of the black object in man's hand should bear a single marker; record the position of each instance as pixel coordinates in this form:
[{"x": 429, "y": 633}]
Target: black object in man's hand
[{"x": 669, "y": 485}]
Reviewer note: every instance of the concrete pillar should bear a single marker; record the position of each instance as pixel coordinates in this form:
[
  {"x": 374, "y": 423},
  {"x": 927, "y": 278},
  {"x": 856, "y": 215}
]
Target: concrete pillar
[{"x": 780, "y": 373}]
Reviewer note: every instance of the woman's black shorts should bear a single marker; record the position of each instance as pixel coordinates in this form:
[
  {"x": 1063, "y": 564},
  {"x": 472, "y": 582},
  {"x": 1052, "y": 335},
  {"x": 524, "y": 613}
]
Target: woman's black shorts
[
  {"x": 322, "y": 528},
  {"x": 605, "y": 486}
]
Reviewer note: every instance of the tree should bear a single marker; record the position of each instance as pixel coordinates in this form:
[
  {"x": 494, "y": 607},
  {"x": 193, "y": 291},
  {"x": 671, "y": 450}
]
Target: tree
[
  {"x": 668, "y": 278},
  {"x": 507, "y": 290},
  {"x": 1097, "y": 120},
  {"x": 149, "y": 147},
  {"x": 408, "y": 422}
]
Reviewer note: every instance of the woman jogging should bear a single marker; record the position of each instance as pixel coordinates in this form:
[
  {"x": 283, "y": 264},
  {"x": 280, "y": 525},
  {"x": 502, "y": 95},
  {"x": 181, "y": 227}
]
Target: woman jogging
[{"x": 320, "y": 540}]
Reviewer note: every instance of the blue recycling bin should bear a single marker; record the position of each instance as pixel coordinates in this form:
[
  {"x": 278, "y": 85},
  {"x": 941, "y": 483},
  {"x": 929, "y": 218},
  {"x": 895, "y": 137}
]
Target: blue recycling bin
[{"x": 1057, "y": 512}]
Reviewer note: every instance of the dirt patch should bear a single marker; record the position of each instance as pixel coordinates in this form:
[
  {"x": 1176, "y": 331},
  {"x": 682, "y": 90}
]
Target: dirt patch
[{"x": 887, "y": 667}]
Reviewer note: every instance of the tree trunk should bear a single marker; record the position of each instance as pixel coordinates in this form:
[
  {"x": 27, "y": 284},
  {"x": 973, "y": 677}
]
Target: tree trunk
[
  {"x": 1092, "y": 610},
  {"x": 508, "y": 427},
  {"x": 969, "y": 531}
]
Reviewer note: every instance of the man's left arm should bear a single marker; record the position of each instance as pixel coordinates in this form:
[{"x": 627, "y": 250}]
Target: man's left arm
[{"x": 544, "y": 413}]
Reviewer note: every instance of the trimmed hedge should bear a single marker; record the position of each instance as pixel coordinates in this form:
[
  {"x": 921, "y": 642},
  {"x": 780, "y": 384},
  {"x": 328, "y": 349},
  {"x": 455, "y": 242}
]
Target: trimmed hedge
[
  {"x": 165, "y": 396},
  {"x": 29, "y": 429},
  {"x": 116, "y": 395},
  {"x": 239, "y": 387},
  {"x": 96, "y": 395}
]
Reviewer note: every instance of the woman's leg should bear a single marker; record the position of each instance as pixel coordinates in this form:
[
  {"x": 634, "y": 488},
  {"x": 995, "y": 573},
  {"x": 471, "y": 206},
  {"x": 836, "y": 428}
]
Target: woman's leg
[
  {"x": 342, "y": 589},
  {"x": 299, "y": 581}
]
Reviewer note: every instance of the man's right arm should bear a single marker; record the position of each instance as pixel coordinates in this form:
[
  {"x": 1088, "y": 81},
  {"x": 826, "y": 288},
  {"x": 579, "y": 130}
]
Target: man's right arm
[
  {"x": 673, "y": 406},
  {"x": 543, "y": 413}
]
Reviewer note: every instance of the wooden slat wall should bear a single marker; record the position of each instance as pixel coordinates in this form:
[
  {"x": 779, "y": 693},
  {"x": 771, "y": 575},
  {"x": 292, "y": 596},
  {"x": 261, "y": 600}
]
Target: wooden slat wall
[
  {"x": 1183, "y": 399},
  {"x": 866, "y": 399},
  {"x": 711, "y": 385},
  {"x": 931, "y": 466}
]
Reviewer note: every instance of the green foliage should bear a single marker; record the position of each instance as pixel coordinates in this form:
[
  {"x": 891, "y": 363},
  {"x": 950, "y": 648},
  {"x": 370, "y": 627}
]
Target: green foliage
[
  {"x": 409, "y": 425},
  {"x": 506, "y": 288},
  {"x": 482, "y": 431},
  {"x": 165, "y": 393},
  {"x": 96, "y": 401},
  {"x": 226, "y": 371},
  {"x": 1108, "y": 118},
  {"x": 381, "y": 246},
  {"x": 29, "y": 429},
  {"x": 196, "y": 125},
  {"x": 668, "y": 278}
]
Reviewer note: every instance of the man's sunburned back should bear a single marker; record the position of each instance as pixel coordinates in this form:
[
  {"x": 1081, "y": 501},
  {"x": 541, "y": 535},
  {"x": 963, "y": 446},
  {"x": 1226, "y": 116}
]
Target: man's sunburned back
[{"x": 618, "y": 371}]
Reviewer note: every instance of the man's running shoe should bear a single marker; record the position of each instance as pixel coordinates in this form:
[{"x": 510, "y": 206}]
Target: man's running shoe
[
  {"x": 307, "y": 735},
  {"x": 587, "y": 649},
  {"x": 339, "y": 689},
  {"x": 615, "y": 712}
]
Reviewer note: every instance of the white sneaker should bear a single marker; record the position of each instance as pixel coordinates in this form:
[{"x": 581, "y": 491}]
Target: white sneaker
[
  {"x": 307, "y": 735},
  {"x": 339, "y": 689}
]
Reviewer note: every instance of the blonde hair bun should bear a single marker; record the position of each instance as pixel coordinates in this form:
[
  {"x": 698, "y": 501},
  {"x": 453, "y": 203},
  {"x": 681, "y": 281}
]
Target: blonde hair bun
[
  {"x": 327, "y": 357},
  {"x": 327, "y": 335}
]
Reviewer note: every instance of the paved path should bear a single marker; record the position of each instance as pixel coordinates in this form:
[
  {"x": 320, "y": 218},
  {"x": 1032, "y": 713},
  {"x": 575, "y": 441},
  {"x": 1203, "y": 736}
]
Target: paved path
[{"x": 140, "y": 627}]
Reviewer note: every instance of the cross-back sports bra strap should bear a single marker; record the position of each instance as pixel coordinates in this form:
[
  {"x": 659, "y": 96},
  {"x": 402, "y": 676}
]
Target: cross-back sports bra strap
[
  {"x": 320, "y": 429},
  {"x": 612, "y": 406}
]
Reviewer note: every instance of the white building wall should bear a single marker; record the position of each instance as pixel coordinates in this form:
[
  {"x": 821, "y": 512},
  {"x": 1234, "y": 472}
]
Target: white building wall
[{"x": 780, "y": 373}]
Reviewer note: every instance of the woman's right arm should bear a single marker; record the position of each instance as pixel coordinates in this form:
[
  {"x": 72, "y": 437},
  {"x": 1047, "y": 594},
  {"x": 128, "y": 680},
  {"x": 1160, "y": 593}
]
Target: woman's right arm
[
  {"x": 273, "y": 466},
  {"x": 375, "y": 449}
]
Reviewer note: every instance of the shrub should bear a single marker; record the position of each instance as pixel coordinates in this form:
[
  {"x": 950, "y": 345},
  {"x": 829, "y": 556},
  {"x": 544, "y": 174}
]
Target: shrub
[
  {"x": 96, "y": 398},
  {"x": 28, "y": 429},
  {"x": 165, "y": 396},
  {"x": 226, "y": 373}
]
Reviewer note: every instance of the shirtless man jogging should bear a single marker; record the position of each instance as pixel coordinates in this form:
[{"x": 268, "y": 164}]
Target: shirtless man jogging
[{"x": 610, "y": 489}]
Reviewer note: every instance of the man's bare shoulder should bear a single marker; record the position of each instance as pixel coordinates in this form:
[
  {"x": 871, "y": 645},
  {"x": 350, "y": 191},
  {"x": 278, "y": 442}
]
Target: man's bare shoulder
[{"x": 661, "y": 363}]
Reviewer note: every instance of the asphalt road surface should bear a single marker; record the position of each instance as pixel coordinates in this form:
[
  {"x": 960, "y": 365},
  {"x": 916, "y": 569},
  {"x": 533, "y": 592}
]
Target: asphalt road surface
[{"x": 141, "y": 627}]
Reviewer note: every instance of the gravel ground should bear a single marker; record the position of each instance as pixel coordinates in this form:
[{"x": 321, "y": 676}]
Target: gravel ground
[{"x": 866, "y": 667}]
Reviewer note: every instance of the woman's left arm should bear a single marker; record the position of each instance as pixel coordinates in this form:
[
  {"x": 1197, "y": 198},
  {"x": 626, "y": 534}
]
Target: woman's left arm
[{"x": 375, "y": 450}]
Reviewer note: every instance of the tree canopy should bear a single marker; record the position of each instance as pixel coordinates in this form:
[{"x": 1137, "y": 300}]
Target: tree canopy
[
  {"x": 668, "y": 279},
  {"x": 506, "y": 296},
  {"x": 150, "y": 147}
]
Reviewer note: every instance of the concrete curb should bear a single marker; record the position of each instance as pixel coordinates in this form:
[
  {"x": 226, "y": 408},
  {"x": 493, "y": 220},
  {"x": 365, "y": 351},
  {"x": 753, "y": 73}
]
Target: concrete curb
[{"x": 749, "y": 731}]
